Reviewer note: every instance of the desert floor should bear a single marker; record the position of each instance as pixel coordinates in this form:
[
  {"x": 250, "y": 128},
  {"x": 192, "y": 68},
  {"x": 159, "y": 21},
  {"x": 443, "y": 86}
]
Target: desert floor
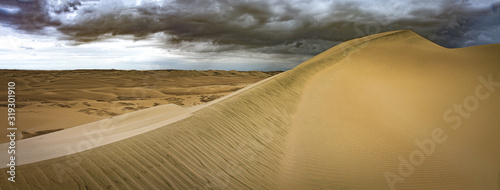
[{"x": 49, "y": 101}]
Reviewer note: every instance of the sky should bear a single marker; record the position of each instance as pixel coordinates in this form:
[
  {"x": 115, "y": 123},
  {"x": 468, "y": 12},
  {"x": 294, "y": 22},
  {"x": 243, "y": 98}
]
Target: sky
[{"x": 221, "y": 34}]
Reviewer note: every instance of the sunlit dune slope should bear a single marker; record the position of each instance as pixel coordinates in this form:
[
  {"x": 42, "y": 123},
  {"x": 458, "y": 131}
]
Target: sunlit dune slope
[{"x": 391, "y": 110}]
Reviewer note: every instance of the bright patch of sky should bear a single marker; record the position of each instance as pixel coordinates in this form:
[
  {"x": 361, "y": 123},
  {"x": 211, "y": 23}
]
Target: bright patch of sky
[{"x": 25, "y": 51}]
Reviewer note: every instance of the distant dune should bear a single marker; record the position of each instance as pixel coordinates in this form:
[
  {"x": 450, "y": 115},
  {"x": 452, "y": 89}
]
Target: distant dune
[{"x": 387, "y": 111}]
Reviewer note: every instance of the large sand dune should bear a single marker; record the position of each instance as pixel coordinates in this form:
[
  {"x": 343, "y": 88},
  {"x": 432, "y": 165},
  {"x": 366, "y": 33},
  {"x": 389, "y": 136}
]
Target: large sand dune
[{"x": 391, "y": 110}]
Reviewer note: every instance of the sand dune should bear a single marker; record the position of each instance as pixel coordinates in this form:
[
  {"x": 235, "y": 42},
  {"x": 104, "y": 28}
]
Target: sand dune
[
  {"x": 94, "y": 134},
  {"x": 391, "y": 110}
]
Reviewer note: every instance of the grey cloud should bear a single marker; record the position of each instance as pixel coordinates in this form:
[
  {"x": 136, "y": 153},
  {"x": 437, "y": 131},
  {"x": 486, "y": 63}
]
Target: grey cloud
[
  {"x": 30, "y": 15},
  {"x": 455, "y": 23},
  {"x": 271, "y": 27}
]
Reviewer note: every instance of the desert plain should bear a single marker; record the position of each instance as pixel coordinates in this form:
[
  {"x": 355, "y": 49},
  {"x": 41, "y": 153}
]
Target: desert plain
[{"x": 48, "y": 101}]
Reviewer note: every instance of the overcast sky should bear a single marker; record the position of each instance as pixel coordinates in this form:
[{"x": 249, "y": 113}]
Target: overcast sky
[{"x": 221, "y": 34}]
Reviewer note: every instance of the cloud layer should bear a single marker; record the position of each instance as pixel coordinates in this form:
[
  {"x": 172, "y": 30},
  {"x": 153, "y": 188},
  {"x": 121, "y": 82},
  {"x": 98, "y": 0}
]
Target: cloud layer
[{"x": 265, "y": 26}]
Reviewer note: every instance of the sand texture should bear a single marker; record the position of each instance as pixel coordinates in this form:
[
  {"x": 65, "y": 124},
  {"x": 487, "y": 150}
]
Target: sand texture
[{"x": 391, "y": 110}]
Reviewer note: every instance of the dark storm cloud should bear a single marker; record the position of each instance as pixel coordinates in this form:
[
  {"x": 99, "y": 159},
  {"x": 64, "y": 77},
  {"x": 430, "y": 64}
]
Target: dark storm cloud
[
  {"x": 456, "y": 24},
  {"x": 33, "y": 15},
  {"x": 24, "y": 15},
  {"x": 265, "y": 26},
  {"x": 282, "y": 27}
]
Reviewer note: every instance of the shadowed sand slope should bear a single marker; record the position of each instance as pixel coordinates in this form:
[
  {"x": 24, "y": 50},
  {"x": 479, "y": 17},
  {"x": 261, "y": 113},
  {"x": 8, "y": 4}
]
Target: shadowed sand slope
[{"x": 391, "y": 110}]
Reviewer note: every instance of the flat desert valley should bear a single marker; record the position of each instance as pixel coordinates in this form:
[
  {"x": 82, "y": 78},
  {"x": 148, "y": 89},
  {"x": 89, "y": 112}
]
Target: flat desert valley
[
  {"x": 387, "y": 111},
  {"x": 49, "y": 101}
]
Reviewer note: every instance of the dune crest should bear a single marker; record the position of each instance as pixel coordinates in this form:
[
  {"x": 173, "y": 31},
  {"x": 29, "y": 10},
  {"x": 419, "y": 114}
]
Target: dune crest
[{"x": 353, "y": 117}]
